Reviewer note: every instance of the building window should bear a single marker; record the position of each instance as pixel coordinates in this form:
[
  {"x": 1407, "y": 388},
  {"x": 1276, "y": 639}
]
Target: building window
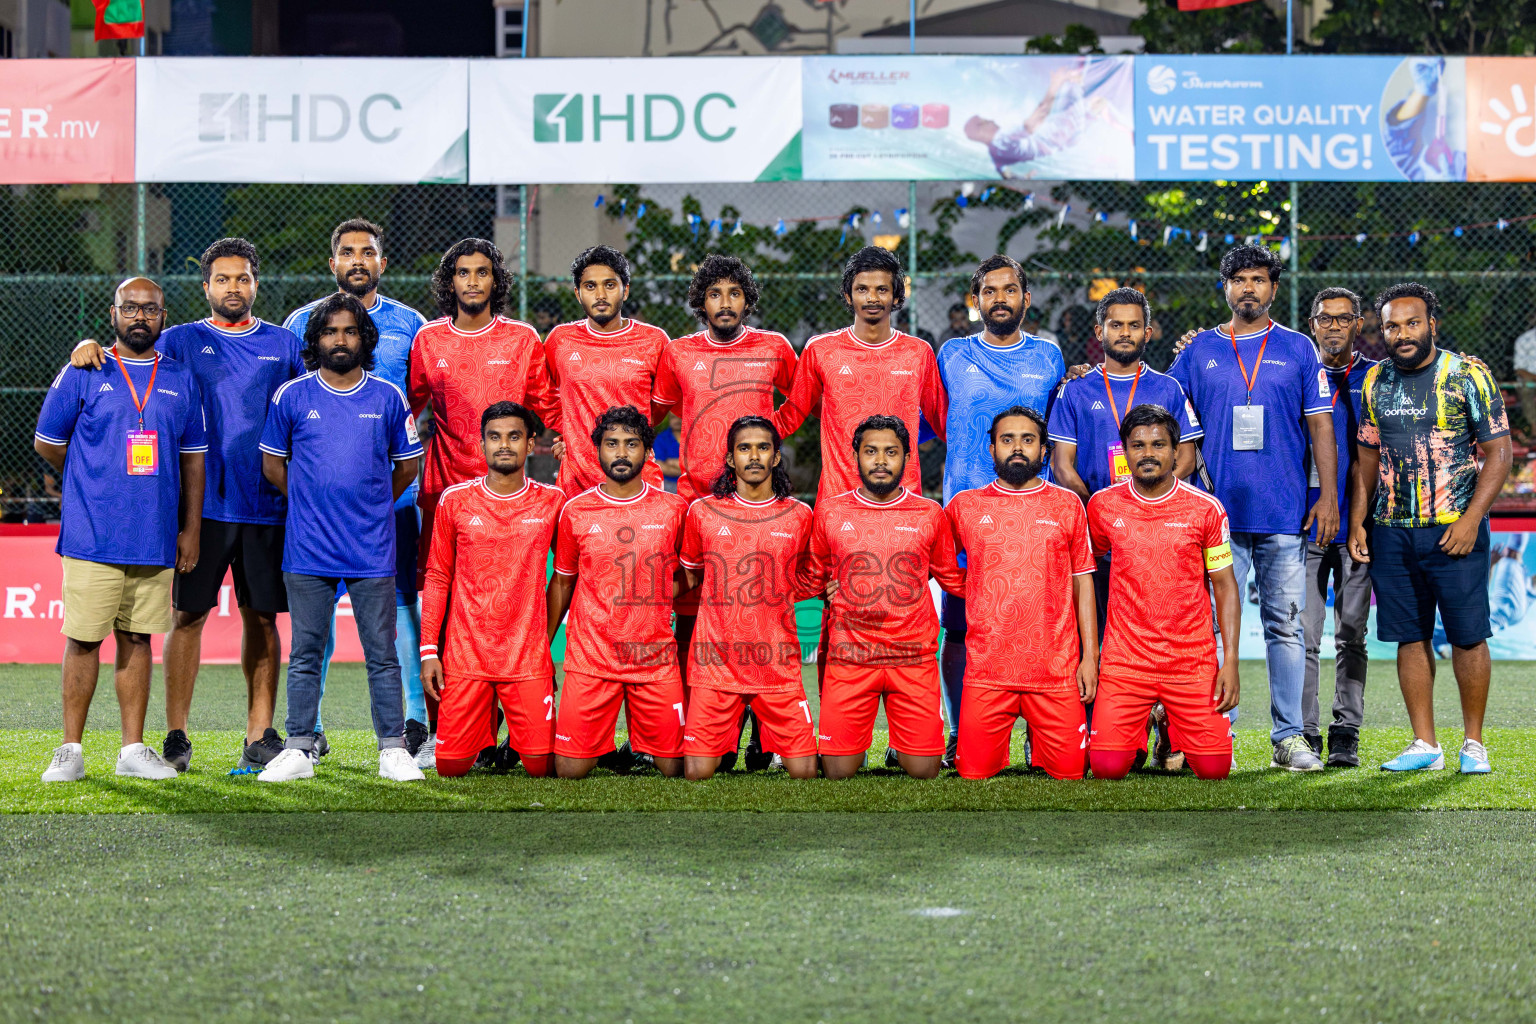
[
  {"x": 509, "y": 31},
  {"x": 7, "y": 42}
]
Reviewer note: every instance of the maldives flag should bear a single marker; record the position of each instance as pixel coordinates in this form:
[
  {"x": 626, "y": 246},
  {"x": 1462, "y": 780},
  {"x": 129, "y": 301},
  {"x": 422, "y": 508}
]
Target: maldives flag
[
  {"x": 120, "y": 19},
  {"x": 1184, "y": 5}
]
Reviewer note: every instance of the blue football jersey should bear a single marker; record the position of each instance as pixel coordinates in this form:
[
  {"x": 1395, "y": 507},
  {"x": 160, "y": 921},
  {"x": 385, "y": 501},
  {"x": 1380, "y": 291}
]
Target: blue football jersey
[
  {"x": 109, "y": 514},
  {"x": 238, "y": 372},
  {"x": 1265, "y": 490},
  {"x": 982, "y": 380},
  {"x": 397, "y": 324},
  {"x": 1087, "y": 415},
  {"x": 1347, "y": 385},
  {"x": 341, "y": 448}
]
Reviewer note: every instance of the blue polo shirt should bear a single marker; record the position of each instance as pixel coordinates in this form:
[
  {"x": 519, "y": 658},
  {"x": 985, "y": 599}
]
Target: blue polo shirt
[
  {"x": 983, "y": 380},
  {"x": 1348, "y": 381},
  {"x": 1264, "y": 491},
  {"x": 108, "y": 514},
  {"x": 1084, "y": 415},
  {"x": 341, "y": 447},
  {"x": 397, "y": 324}
]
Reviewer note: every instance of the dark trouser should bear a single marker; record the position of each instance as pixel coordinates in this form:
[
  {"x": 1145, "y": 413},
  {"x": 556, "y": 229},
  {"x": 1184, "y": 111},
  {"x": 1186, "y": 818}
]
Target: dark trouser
[
  {"x": 311, "y": 604},
  {"x": 1351, "y": 610},
  {"x": 952, "y": 660}
]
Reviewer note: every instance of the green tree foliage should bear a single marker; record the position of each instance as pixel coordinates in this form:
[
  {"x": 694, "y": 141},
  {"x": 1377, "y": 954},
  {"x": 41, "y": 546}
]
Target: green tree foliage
[
  {"x": 1428, "y": 26},
  {"x": 1243, "y": 28}
]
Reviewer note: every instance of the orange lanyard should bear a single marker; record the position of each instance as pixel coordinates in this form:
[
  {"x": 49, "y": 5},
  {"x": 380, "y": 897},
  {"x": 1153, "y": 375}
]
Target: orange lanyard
[
  {"x": 1345, "y": 382},
  {"x": 1130, "y": 401},
  {"x": 1251, "y": 381},
  {"x": 134, "y": 391}
]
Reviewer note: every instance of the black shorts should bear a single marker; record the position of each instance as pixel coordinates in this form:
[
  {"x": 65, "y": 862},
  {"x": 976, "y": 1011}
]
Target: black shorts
[
  {"x": 1412, "y": 577},
  {"x": 254, "y": 550}
]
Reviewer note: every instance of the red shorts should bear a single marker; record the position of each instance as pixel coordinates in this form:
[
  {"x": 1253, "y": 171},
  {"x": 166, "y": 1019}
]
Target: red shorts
[
  {"x": 1120, "y": 716},
  {"x": 466, "y": 718},
  {"x": 1058, "y": 732},
  {"x": 850, "y": 699},
  {"x": 714, "y": 722},
  {"x": 589, "y": 710}
]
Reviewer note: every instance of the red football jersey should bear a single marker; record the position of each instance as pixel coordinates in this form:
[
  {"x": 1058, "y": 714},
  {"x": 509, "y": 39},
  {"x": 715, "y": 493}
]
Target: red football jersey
[
  {"x": 594, "y": 373},
  {"x": 623, "y": 554},
  {"x": 1022, "y": 549},
  {"x": 708, "y": 386},
  {"x": 852, "y": 381},
  {"x": 462, "y": 373},
  {"x": 485, "y": 575},
  {"x": 1160, "y": 627},
  {"x": 881, "y": 555},
  {"x": 750, "y": 554}
]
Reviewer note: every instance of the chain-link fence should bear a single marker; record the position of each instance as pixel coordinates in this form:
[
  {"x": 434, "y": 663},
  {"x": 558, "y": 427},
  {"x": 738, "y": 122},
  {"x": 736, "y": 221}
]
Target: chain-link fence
[{"x": 65, "y": 247}]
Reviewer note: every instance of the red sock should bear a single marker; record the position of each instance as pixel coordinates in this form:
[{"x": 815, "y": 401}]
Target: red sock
[
  {"x": 453, "y": 767},
  {"x": 1209, "y": 766},
  {"x": 539, "y": 765},
  {"x": 1111, "y": 764}
]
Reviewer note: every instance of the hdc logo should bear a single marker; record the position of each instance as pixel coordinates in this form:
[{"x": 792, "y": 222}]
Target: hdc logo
[
  {"x": 326, "y": 117},
  {"x": 562, "y": 117}
]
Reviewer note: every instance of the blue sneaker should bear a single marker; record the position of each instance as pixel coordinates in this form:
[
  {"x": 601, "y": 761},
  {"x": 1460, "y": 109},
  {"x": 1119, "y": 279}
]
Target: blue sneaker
[
  {"x": 1474, "y": 759},
  {"x": 1419, "y": 757}
]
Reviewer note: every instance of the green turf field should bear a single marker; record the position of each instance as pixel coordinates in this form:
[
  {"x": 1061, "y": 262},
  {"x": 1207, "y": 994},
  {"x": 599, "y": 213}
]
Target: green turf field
[{"x": 986, "y": 902}]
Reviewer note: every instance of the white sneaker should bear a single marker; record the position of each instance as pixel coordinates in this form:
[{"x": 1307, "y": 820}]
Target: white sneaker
[
  {"x": 426, "y": 757},
  {"x": 397, "y": 765},
  {"x": 138, "y": 761},
  {"x": 68, "y": 764},
  {"x": 291, "y": 764}
]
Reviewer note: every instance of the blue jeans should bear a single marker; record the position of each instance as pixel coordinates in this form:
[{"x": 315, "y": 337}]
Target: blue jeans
[
  {"x": 1280, "y": 562},
  {"x": 311, "y": 606}
]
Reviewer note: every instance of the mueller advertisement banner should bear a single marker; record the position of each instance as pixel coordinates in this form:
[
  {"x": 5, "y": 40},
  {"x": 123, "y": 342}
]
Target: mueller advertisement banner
[
  {"x": 348, "y": 121},
  {"x": 651, "y": 120},
  {"x": 977, "y": 118},
  {"x": 66, "y": 121},
  {"x": 1301, "y": 118}
]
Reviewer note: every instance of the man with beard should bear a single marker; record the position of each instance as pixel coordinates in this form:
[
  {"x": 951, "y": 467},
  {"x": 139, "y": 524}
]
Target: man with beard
[
  {"x": 1335, "y": 321},
  {"x": 616, "y": 567},
  {"x": 1254, "y": 384},
  {"x": 358, "y": 261},
  {"x": 129, "y": 441},
  {"x": 1033, "y": 634},
  {"x": 873, "y": 550},
  {"x": 239, "y": 361},
  {"x": 484, "y": 589},
  {"x": 341, "y": 444},
  {"x": 1425, "y": 416},
  {"x": 742, "y": 547},
  {"x": 1169, "y": 552}
]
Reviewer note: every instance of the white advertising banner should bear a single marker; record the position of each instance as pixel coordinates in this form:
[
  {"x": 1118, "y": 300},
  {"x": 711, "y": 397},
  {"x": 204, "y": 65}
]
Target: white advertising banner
[
  {"x": 310, "y": 119},
  {"x": 651, "y": 120}
]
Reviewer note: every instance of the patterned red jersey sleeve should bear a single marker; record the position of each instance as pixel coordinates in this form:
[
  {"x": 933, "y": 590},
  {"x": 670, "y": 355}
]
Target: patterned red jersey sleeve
[
  {"x": 1216, "y": 538},
  {"x": 439, "y": 576},
  {"x": 539, "y": 388},
  {"x": 812, "y": 569},
  {"x": 803, "y": 396},
  {"x": 691, "y": 552},
  {"x": 934, "y": 400},
  {"x": 418, "y": 388},
  {"x": 567, "y": 550},
  {"x": 784, "y": 375},
  {"x": 1097, "y": 534},
  {"x": 1081, "y": 547},
  {"x": 665, "y": 391},
  {"x": 943, "y": 564}
]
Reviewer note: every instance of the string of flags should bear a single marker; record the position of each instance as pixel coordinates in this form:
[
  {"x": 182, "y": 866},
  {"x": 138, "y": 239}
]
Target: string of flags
[{"x": 719, "y": 226}]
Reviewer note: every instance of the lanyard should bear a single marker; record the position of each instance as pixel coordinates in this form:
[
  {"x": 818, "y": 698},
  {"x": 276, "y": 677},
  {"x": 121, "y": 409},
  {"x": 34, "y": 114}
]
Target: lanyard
[
  {"x": 1130, "y": 401},
  {"x": 1345, "y": 382},
  {"x": 1251, "y": 381},
  {"x": 134, "y": 391}
]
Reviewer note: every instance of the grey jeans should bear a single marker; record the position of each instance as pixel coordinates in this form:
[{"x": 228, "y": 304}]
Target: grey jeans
[{"x": 1351, "y": 609}]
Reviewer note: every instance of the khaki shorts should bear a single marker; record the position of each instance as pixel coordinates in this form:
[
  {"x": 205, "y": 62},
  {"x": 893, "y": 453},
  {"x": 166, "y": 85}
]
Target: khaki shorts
[{"x": 99, "y": 598}]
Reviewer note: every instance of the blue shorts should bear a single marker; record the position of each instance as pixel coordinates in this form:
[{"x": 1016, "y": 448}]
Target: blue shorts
[
  {"x": 952, "y": 614},
  {"x": 407, "y": 540},
  {"x": 1412, "y": 576}
]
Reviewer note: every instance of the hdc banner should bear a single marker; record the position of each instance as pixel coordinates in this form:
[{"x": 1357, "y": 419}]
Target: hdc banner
[
  {"x": 302, "y": 120},
  {"x": 66, "y": 121},
  {"x": 652, "y": 120}
]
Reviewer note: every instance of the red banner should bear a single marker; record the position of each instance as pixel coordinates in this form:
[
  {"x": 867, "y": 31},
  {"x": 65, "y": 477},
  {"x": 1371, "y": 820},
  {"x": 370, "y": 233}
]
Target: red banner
[
  {"x": 1205, "y": 5},
  {"x": 33, "y": 608},
  {"x": 66, "y": 121}
]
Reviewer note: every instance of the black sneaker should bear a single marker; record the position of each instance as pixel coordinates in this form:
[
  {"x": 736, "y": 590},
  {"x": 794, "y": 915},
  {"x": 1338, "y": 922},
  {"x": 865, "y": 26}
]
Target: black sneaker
[
  {"x": 322, "y": 745},
  {"x": 177, "y": 750},
  {"x": 1343, "y": 747},
  {"x": 415, "y": 735},
  {"x": 263, "y": 750},
  {"x": 1316, "y": 743},
  {"x": 623, "y": 760},
  {"x": 506, "y": 757},
  {"x": 757, "y": 759},
  {"x": 486, "y": 758},
  {"x": 892, "y": 758},
  {"x": 728, "y": 761}
]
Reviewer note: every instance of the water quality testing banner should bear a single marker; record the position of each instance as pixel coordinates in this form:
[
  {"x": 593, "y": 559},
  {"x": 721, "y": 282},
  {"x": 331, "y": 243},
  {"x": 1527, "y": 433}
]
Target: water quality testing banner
[
  {"x": 646, "y": 120},
  {"x": 1302, "y": 118},
  {"x": 967, "y": 118},
  {"x": 302, "y": 120}
]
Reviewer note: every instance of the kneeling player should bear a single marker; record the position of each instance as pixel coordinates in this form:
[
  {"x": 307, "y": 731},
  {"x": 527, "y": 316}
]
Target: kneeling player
[
  {"x": 1029, "y": 589},
  {"x": 616, "y": 569},
  {"x": 1164, "y": 539},
  {"x": 485, "y": 575},
  {"x": 873, "y": 549},
  {"x": 744, "y": 544}
]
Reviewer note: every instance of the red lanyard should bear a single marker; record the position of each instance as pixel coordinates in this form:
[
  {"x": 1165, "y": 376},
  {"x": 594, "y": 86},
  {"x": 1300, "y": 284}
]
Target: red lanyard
[
  {"x": 134, "y": 391},
  {"x": 1130, "y": 401},
  {"x": 1347, "y": 370},
  {"x": 1251, "y": 381}
]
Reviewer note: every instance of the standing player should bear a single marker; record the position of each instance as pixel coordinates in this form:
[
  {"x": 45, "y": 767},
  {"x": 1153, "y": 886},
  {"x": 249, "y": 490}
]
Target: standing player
[
  {"x": 484, "y": 588},
  {"x": 742, "y": 547},
  {"x": 616, "y": 568},
  {"x": 872, "y": 550},
  {"x": 239, "y": 361},
  {"x": 1028, "y": 566},
  {"x": 1165, "y": 540}
]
